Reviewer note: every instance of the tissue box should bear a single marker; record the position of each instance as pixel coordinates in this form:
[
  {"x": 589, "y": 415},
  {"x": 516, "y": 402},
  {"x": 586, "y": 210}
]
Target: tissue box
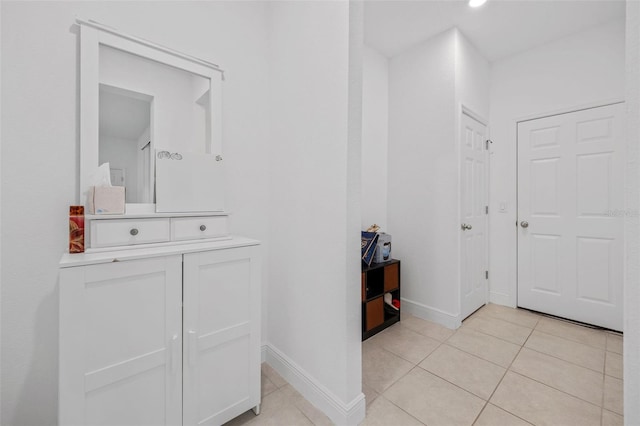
[{"x": 106, "y": 200}]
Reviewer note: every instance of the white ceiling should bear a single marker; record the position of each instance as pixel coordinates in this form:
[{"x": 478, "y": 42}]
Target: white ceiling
[{"x": 498, "y": 29}]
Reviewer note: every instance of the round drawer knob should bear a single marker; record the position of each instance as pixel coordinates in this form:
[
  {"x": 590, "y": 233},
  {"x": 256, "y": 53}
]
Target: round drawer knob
[
  {"x": 134, "y": 231},
  {"x": 203, "y": 228}
]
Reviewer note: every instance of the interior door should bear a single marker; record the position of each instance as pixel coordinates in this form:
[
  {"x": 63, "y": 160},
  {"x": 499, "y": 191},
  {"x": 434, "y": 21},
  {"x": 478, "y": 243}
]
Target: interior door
[
  {"x": 473, "y": 215},
  {"x": 570, "y": 215},
  {"x": 221, "y": 335}
]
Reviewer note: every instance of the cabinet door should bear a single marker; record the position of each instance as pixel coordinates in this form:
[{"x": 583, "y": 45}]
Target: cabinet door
[
  {"x": 375, "y": 313},
  {"x": 120, "y": 340},
  {"x": 222, "y": 334}
]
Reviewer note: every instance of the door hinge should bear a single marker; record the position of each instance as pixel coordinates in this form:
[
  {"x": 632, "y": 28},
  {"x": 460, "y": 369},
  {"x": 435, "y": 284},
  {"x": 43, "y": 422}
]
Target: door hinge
[
  {"x": 486, "y": 275},
  {"x": 486, "y": 144},
  {"x": 486, "y": 209}
]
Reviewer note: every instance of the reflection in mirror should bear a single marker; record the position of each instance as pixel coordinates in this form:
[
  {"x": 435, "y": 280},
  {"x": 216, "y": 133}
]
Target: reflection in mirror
[
  {"x": 125, "y": 141},
  {"x": 146, "y": 105}
]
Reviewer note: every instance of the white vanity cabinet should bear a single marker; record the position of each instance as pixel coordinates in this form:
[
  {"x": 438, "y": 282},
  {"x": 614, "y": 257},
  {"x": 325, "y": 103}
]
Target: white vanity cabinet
[
  {"x": 160, "y": 335},
  {"x": 160, "y": 317}
]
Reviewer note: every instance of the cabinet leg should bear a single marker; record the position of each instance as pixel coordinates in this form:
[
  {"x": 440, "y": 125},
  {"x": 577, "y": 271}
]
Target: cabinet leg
[{"x": 256, "y": 410}]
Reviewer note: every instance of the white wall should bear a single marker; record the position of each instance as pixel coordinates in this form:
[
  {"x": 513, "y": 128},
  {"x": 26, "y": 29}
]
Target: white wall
[
  {"x": 632, "y": 221},
  {"x": 375, "y": 134},
  {"x": 1, "y": 137},
  {"x": 40, "y": 146},
  {"x": 581, "y": 69},
  {"x": 472, "y": 78},
  {"x": 314, "y": 309},
  {"x": 428, "y": 85},
  {"x": 423, "y": 174}
]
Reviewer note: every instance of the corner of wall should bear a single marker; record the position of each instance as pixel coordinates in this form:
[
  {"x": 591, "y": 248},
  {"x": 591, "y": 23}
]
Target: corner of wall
[
  {"x": 375, "y": 137},
  {"x": 1, "y": 211},
  {"x": 314, "y": 319},
  {"x": 426, "y": 312},
  {"x": 632, "y": 222},
  {"x": 351, "y": 413}
]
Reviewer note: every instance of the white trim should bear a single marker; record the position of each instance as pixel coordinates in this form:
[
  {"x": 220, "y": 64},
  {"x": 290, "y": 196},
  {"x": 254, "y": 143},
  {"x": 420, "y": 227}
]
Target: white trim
[
  {"x": 341, "y": 413},
  {"x": 111, "y": 30},
  {"x": 570, "y": 109},
  {"x": 501, "y": 299},
  {"x": 468, "y": 111},
  {"x": 263, "y": 353},
  {"x": 432, "y": 314}
]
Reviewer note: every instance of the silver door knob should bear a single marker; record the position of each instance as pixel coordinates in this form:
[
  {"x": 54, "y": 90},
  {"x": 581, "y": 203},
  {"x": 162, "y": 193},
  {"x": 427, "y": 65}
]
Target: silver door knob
[
  {"x": 465, "y": 227},
  {"x": 524, "y": 224}
]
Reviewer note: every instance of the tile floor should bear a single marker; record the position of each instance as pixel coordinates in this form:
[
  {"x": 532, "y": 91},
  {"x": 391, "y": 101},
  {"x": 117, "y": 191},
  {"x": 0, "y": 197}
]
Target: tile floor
[{"x": 502, "y": 367}]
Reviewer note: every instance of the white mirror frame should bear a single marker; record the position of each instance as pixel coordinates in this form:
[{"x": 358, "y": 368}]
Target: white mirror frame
[{"x": 92, "y": 36}]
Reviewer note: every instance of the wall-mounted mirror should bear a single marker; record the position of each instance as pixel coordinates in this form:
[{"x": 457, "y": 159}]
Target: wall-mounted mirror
[
  {"x": 137, "y": 98},
  {"x": 125, "y": 141}
]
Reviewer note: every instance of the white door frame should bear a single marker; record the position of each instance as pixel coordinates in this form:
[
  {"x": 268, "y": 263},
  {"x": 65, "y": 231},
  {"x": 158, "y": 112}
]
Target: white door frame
[
  {"x": 513, "y": 261},
  {"x": 464, "y": 110}
]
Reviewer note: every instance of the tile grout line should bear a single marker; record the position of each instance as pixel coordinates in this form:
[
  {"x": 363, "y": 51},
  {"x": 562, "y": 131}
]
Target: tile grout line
[
  {"x": 475, "y": 355},
  {"x": 568, "y": 323},
  {"x": 440, "y": 343},
  {"x": 510, "y": 322},
  {"x": 402, "y": 409},
  {"x": 571, "y": 340},
  {"x": 604, "y": 372},
  {"x": 566, "y": 360},
  {"x": 559, "y": 390},
  {"x": 502, "y": 378},
  {"x": 410, "y": 362},
  {"x": 381, "y": 394},
  {"x": 450, "y": 382},
  {"x": 486, "y": 402},
  {"x": 551, "y": 387},
  {"x": 507, "y": 369},
  {"x": 498, "y": 337}
]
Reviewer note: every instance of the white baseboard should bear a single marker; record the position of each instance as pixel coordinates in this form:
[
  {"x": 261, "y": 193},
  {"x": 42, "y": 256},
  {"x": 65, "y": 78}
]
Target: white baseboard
[
  {"x": 263, "y": 353},
  {"x": 339, "y": 412},
  {"x": 501, "y": 299},
  {"x": 432, "y": 314}
]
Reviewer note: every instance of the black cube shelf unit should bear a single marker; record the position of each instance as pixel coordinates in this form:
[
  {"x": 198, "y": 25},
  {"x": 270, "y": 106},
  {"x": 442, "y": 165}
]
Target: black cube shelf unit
[{"x": 377, "y": 280}]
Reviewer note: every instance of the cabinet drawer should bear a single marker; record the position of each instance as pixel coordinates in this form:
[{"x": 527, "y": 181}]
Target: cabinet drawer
[
  {"x": 194, "y": 228},
  {"x": 116, "y": 232}
]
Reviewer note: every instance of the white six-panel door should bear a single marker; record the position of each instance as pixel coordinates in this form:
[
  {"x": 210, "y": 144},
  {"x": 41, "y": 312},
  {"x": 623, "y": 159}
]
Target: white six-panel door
[
  {"x": 222, "y": 334},
  {"x": 120, "y": 343},
  {"x": 570, "y": 215},
  {"x": 473, "y": 215}
]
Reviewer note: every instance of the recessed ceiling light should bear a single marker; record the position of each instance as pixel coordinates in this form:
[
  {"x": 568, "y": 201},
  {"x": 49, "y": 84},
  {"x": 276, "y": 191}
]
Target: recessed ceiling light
[{"x": 476, "y": 3}]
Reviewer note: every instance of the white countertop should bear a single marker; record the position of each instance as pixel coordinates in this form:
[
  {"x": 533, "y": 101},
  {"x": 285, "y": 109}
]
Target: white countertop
[{"x": 139, "y": 252}]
